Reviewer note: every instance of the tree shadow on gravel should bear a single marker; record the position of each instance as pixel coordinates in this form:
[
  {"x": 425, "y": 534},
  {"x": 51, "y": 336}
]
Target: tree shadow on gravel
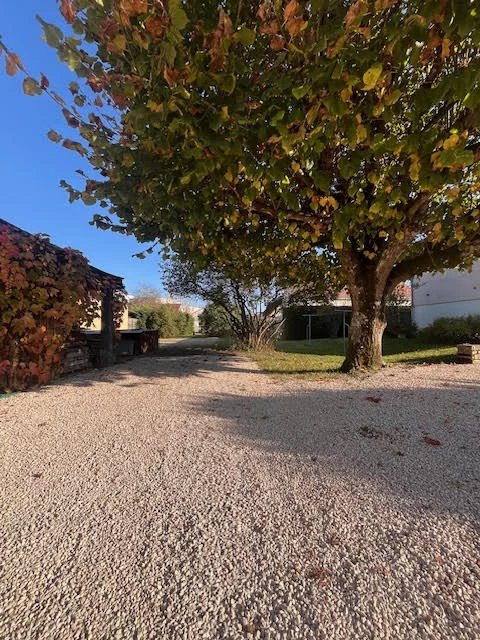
[
  {"x": 421, "y": 445},
  {"x": 150, "y": 368}
]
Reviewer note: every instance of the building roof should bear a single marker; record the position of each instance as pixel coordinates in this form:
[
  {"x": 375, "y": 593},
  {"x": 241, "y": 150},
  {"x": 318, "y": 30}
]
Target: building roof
[{"x": 104, "y": 275}]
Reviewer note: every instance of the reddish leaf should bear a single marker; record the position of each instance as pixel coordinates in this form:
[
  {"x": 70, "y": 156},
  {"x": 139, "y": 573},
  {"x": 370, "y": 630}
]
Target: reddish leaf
[
  {"x": 432, "y": 441},
  {"x": 291, "y": 9},
  {"x": 4, "y": 364},
  {"x": 263, "y": 10},
  {"x": 95, "y": 84},
  {"x": 277, "y": 43},
  {"x": 372, "y": 399},
  {"x": 320, "y": 574},
  {"x": 13, "y": 64},
  {"x": 170, "y": 75},
  {"x": 67, "y": 10},
  {"x": 356, "y": 10}
]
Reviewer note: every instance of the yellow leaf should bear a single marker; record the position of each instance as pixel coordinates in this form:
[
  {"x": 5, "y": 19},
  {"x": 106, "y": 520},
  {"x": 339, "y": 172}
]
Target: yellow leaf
[
  {"x": 451, "y": 142},
  {"x": 361, "y": 133},
  {"x": 372, "y": 76},
  {"x": 346, "y": 94},
  {"x": 415, "y": 165},
  {"x": 157, "y": 107},
  {"x": 446, "y": 44}
]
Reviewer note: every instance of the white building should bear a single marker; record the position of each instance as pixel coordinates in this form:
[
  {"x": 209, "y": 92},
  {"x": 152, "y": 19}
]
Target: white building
[{"x": 450, "y": 294}]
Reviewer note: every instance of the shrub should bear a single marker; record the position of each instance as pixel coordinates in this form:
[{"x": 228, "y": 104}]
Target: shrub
[
  {"x": 453, "y": 330},
  {"x": 214, "y": 322},
  {"x": 399, "y": 322},
  {"x": 45, "y": 292},
  {"x": 169, "y": 321}
]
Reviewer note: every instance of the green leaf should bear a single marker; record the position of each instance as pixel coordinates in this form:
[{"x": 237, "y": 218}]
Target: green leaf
[
  {"x": 372, "y": 75},
  {"x": 319, "y": 5},
  {"x": 178, "y": 15},
  {"x": 301, "y": 91},
  {"x": 278, "y": 117},
  {"x": 52, "y": 34},
  {"x": 322, "y": 180},
  {"x": 228, "y": 83},
  {"x": 451, "y": 157},
  {"x": 31, "y": 87},
  {"x": 245, "y": 36}
]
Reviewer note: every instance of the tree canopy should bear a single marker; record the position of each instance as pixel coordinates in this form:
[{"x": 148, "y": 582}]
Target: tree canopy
[{"x": 286, "y": 125}]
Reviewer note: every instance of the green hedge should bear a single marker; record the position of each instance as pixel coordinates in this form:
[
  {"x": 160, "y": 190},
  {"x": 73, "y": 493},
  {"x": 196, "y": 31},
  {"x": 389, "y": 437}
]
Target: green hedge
[
  {"x": 453, "y": 330},
  {"x": 169, "y": 321}
]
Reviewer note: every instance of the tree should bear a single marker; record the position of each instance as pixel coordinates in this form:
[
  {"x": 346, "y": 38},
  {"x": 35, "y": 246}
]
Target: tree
[
  {"x": 286, "y": 125},
  {"x": 252, "y": 307},
  {"x": 252, "y": 298}
]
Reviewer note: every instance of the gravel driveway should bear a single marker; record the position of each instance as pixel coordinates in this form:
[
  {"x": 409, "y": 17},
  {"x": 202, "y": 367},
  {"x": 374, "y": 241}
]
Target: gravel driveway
[{"x": 184, "y": 498}]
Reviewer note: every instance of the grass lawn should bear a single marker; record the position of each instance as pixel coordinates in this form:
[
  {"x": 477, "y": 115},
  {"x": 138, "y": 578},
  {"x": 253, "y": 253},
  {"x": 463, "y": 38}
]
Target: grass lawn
[{"x": 324, "y": 357}]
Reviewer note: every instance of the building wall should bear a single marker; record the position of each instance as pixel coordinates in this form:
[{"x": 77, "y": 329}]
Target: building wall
[
  {"x": 450, "y": 294},
  {"x": 97, "y": 323}
]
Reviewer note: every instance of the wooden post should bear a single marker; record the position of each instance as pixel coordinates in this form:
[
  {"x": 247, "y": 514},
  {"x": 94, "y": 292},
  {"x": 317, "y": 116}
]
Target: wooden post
[{"x": 106, "y": 355}]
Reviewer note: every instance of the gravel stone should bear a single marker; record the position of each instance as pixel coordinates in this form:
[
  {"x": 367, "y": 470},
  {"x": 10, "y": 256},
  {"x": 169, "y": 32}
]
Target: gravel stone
[{"x": 154, "y": 500}]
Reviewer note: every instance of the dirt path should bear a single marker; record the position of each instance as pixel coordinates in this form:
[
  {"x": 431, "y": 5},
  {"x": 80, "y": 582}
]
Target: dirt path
[{"x": 195, "y": 498}]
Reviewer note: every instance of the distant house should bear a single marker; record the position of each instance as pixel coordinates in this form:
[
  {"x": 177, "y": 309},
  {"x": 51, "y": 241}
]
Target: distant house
[
  {"x": 450, "y": 294},
  {"x": 403, "y": 293}
]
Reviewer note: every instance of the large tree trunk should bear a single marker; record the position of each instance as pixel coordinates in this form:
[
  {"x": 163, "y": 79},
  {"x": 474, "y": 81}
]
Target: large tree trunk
[
  {"x": 368, "y": 290},
  {"x": 364, "y": 349}
]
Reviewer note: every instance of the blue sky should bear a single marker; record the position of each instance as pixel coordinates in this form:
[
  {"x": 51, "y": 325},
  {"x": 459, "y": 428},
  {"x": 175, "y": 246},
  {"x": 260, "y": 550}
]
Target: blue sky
[{"x": 32, "y": 166}]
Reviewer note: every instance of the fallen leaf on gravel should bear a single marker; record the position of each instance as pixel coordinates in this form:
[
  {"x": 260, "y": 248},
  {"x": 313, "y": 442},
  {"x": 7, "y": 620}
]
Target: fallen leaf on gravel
[
  {"x": 36, "y": 475},
  {"x": 265, "y": 417},
  {"x": 320, "y": 574},
  {"x": 335, "y": 540},
  {"x": 379, "y": 569},
  {"x": 314, "y": 458},
  {"x": 372, "y": 399},
  {"x": 400, "y": 453},
  {"x": 370, "y": 432},
  {"x": 432, "y": 441}
]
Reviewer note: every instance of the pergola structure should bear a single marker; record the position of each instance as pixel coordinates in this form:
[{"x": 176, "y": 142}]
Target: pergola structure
[{"x": 106, "y": 355}]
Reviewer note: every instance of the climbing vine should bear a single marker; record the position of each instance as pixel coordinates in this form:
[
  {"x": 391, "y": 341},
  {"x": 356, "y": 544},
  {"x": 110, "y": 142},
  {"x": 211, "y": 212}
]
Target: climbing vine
[{"x": 45, "y": 293}]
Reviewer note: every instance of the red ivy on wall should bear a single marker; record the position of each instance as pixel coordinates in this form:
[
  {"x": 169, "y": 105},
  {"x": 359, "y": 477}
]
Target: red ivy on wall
[{"x": 45, "y": 293}]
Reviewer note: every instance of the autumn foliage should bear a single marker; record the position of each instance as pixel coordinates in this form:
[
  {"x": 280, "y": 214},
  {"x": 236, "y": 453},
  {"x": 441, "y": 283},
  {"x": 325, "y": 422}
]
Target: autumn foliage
[{"x": 45, "y": 292}]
